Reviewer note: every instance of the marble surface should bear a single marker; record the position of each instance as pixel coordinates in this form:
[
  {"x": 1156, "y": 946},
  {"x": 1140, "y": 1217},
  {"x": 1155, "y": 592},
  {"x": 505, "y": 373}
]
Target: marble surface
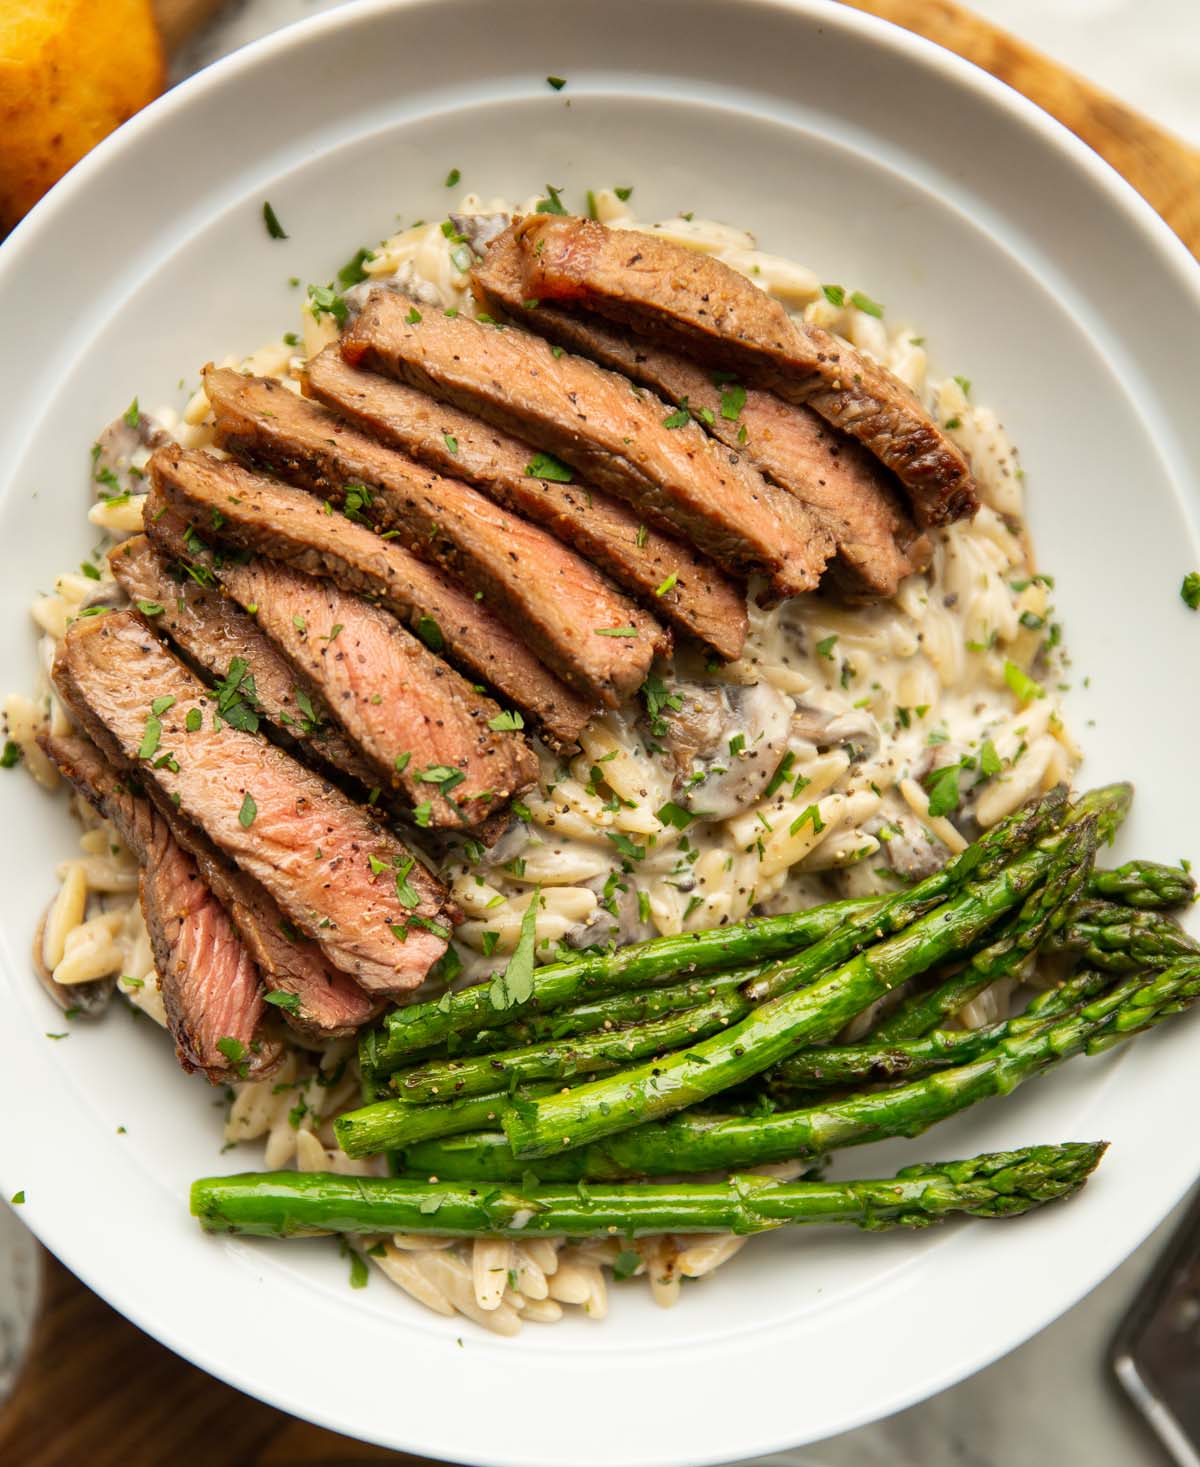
[{"x": 1050, "y": 1401}]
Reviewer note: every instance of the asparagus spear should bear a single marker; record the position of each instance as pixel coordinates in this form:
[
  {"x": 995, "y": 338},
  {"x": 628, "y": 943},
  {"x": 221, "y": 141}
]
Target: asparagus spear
[
  {"x": 418, "y": 1027},
  {"x": 793, "y": 1021},
  {"x": 696, "y": 1143},
  {"x": 653, "y": 1003},
  {"x": 1041, "y": 916},
  {"x": 1108, "y": 935},
  {"x": 663, "y": 960},
  {"x": 592, "y": 1054},
  {"x": 908, "y": 1059},
  {"x": 1145, "y": 884},
  {"x": 301, "y": 1204},
  {"x": 984, "y": 858}
]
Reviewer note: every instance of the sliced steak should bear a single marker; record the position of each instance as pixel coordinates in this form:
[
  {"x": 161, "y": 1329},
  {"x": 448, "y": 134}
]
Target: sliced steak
[
  {"x": 844, "y": 486},
  {"x": 623, "y": 439},
  {"x": 286, "y": 524},
  {"x": 689, "y": 591},
  {"x": 210, "y": 986},
  {"x": 721, "y": 317},
  {"x": 345, "y": 881},
  {"x": 215, "y": 634},
  {"x": 546, "y": 593},
  {"x": 422, "y": 730}
]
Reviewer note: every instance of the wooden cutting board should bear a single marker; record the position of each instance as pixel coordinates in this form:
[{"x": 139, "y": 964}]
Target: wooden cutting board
[{"x": 96, "y": 1389}]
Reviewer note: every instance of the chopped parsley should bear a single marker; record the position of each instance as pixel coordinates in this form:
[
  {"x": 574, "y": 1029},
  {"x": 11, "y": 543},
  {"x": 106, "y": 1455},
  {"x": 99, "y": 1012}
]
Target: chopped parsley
[
  {"x": 834, "y": 294},
  {"x": 234, "y": 1051},
  {"x": 941, "y": 785},
  {"x": 237, "y": 697},
  {"x": 248, "y": 812},
  {"x": 625, "y": 846},
  {"x": 1021, "y": 684},
  {"x": 1190, "y": 590},
  {"x": 352, "y": 272},
  {"x": 271, "y": 220},
  {"x": 287, "y": 1001},
  {"x": 668, "y": 584},
  {"x": 552, "y": 203},
  {"x": 680, "y": 418},
  {"x": 325, "y": 301},
  {"x": 546, "y": 466},
  {"x": 658, "y": 697},
  {"x": 132, "y": 414},
  {"x": 160, "y": 705},
  {"x": 866, "y": 305},
  {"x": 989, "y": 760},
  {"x": 11, "y": 756},
  {"x": 616, "y": 631},
  {"x": 556, "y": 82},
  {"x": 673, "y": 814},
  {"x": 733, "y": 400},
  {"x": 451, "y": 442},
  {"x": 624, "y": 193},
  {"x": 150, "y": 608},
  {"x": 508, "y": 721},
  {"x": 89, "y": 570},
  {"x": 826, "y": 645},
  {"x": 487, "y": 942},
  {"x": 431, "y": 634},
  {"x": 150, "y": 738},
  {"x": 453, "y": 178},
  {"x": 809, "y": 815},
  {"x": 515, "y": 984},
  {"x": 736, "y": 745},
  {"x": 414, "y": 316}
]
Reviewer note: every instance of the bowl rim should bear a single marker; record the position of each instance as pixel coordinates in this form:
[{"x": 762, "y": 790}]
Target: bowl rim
[{"x": 873, "y": 30}]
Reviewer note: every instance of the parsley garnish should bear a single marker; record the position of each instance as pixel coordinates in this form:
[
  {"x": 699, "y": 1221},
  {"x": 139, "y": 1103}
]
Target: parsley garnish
[
  {"x": 288, "y": 1001},
  {"x": 271, "y": 220},
  {"x": 11, "y": 756},
  {"x": 807, "y": 815},
  {"x": 826, "y": 645},
  {"x": 515, "y": 984},
  {"x": 668, "y": 584},
  {"x": 834, "y": 294},
  {"x": 625, "y": 846},
  {"x": 132, "y": 414},
  {"x": 866, "y": 304},
  {"x": 451, "y": 442},
  {"x": 150, "y": 608},
  {"x": 679, "y": 418},
  {"x": 623, "y": 193},
  {"x": 1190, "y": 590},
  {"x": 352, "y": 271},
  {"x": 733, "y": 400},
  {"x": 430, "y": 633},
  {"x": 150, "y": 738},
  {"x": 1021, "y": 684},
  {"x": 615, "y": 631},
  {"x": 506, "y": 722},
  {"x": 557, "y": 82},
  {"x": 989, "y": 759},
  {"x": 326, "y": 301},
  {"x": 546, "y": 466},
  {"x": 552, "y": 203},
  {"x": 247, "y": 813},
  {"x": 676, "y": 815},
  {"x": 453, "y": 178}
]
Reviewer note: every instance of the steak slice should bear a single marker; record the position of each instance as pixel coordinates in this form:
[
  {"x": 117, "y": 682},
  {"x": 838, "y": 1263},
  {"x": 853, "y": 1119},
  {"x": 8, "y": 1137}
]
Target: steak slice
[
  {"x": 286, "y": 524},
  {"x": 423, "y": 731},
  {"x": 844, "y": 486},
  {"x": 703, "y": 305},
  {"x": 546, "y": 593},
  {"x": 345, "y": 881},
  {"x": 210, "y": 986},
  {"x": 698, "y": 600},
  {"x": 623, "y": 439},
  {"x": 216, "y": 635}
]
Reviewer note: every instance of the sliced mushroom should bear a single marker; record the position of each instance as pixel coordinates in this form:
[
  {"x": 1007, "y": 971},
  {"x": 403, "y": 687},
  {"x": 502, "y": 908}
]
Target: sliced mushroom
[
  {"x": 726, "y": 740},
  {"x": 907, "y": 846},
  {"x": 857, "y": 731},
  {"x": 479, "y": 230},
  {"x": 120, "y": 454}
]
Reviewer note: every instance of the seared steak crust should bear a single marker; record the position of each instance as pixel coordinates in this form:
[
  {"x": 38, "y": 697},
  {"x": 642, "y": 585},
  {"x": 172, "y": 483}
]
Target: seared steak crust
[
  {"x": 209, "y": 984},
  {"x": 698, "y": 599},
  {"x": 341, "y": 878},
  {"x": 289, "y": 525},
  {"x": 704, "y": 307},
  {"x": 212, "y": 631},
  {"x": 623, "y": 439},
  {"x": 545, "y": 592},
  {"x": 844, "y": 486}
]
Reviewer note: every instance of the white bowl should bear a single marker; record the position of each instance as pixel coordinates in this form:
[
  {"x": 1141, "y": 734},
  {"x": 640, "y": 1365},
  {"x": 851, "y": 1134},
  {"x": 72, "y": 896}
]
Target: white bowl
[{"x": 874, "y": 158}]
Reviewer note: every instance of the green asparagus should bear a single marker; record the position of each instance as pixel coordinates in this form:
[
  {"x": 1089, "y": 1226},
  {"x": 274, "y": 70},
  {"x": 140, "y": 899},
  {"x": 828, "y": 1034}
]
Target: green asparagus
[
  {"x": 697, "y": 1143},
  {"x": 663, "y": 960},
  {"x": 795, "y": 1020},
  {"x": 591, "y": 1054},
  {"x": 304, "y": 1204},
  {"x": 875, "y": 1060},
  {"x": 1108, "y": 935},
  {"x": 984, "y": 858},
  {"x": 1144, "y": 884},
  {"x": 1041, "y": 916}
]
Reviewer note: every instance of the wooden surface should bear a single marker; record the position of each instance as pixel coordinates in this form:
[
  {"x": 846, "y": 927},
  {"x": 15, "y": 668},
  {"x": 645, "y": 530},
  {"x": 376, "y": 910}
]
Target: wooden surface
[{"x": 97, "y": 1390}]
